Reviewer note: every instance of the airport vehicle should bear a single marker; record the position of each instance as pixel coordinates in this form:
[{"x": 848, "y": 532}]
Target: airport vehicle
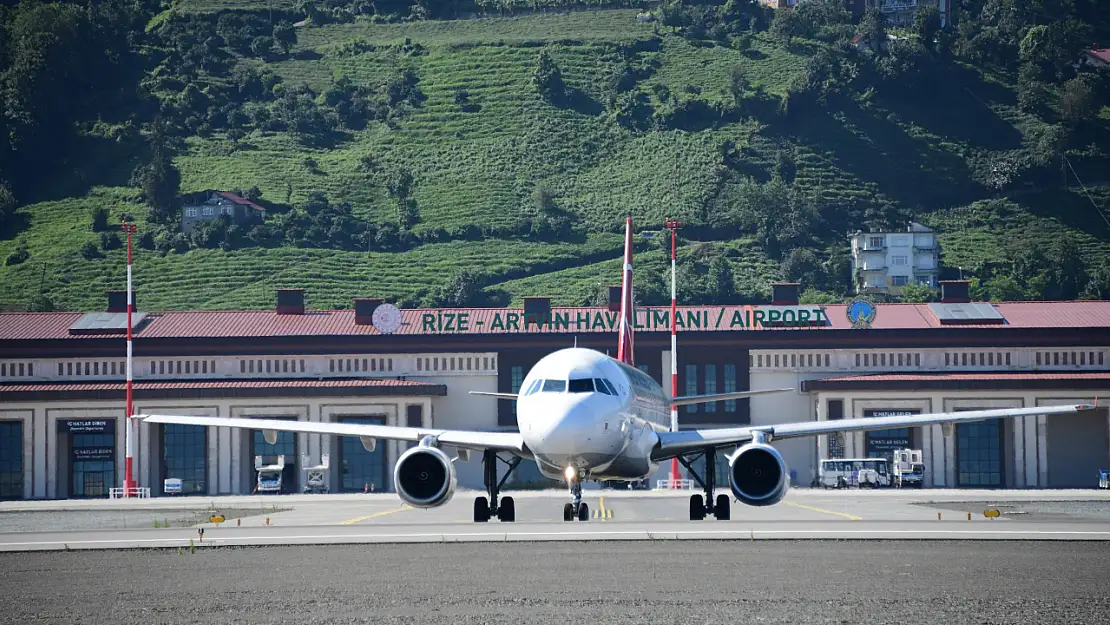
[
  {"x": 1104, "y": 478},
  {"x": 269, "y": 475},
  {"x": 908, "y": 468},
  {"x": 853, "y": 472},
  {"x": 583, "y": 415},
  {"x": 315, "y": 477}
]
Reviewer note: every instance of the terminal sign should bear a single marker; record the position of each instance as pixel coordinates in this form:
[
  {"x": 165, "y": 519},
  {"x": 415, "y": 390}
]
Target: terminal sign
[{"x": 648, "y": 319}]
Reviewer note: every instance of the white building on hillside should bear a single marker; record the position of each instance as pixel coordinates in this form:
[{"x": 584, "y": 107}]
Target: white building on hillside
[{"x": 884, "y": 262}]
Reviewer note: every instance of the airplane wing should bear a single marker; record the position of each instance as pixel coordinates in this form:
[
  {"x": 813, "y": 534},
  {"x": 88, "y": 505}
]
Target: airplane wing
[
  {"x": 497, "y": 395},
  {"x": 702, "y": 399},
  {"x": 498, "y": 441},
  {"x": 674, "y": 443}
]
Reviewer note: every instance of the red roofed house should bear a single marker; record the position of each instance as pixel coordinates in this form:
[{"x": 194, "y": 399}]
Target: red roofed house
[
  {"x": 1097, "y": 58},
  {"x": 62, "y": 374},
  {"x": 209, "y": 205}
]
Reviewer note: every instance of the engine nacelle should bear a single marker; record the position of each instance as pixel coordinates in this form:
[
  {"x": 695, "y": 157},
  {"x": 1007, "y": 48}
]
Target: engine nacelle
[
  {"x": 424, "y": 477},
  {"x": 757, "y": 475}
]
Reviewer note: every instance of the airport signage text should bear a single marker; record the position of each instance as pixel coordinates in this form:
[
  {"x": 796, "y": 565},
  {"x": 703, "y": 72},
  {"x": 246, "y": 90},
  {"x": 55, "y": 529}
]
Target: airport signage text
[
  {"x": 93, "y": 426},
  {"x": 647, "y": 319}
]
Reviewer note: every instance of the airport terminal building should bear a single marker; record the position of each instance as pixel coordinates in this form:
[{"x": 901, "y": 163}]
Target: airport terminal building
[{"x": 62, "y": 384}]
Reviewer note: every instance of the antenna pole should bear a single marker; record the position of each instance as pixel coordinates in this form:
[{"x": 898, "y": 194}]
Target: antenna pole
[
  {"x": 673, "y": 226},
  {"x": 128, "y": 476}
]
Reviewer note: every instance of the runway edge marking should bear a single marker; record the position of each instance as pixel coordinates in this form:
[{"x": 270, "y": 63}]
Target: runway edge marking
[{"x": 553, "y": 535}]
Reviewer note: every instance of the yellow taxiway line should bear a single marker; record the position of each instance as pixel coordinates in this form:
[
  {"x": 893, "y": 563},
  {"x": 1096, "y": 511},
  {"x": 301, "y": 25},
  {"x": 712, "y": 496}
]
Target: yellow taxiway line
[
  {"x": 373, "y": 516},
  {"x": 601, "y": 512},
  {"x": 840, "y": 514}
]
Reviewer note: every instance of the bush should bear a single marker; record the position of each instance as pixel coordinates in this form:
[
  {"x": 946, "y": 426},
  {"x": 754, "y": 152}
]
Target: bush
[
  {"x": 89, "y": 251},
  {"x": 99, "y": 220},
  {"x": 109, "y": 241}
]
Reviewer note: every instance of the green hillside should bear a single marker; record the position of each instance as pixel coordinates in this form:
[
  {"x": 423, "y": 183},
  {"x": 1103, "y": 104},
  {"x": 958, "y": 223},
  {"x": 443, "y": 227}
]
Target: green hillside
[{"x": 440, "y": 161}]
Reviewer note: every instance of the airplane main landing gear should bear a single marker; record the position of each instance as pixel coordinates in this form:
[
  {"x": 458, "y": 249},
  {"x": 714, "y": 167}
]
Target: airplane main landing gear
[
  {"x": 578, "y": 508},
  {"x": 699, "y": 506},
  {"x": 486, "y": 508}
]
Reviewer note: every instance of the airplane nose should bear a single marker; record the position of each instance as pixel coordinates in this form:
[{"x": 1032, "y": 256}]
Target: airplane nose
[{"x": 565, "y": 425}]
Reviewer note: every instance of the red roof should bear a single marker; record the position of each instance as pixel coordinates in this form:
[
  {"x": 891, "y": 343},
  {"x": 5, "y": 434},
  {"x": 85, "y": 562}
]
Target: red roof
[
  {"x": 267, "y": 323},
  {"x": 239, "y": 200},
  {"x": 922, "y": 377},
  {"x": 985, "y": 381},
  {"x": 1103, "y": 54},
  {"x": 214, "y": 384}
]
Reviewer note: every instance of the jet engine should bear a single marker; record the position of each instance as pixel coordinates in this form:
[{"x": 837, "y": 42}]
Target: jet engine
[
  {"x": 757, "y": 475},
  {"x": 425, "y": 477}
]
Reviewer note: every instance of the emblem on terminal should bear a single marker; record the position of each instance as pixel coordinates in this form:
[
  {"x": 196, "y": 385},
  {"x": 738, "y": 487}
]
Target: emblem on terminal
[{"x": 861, "y": 313}]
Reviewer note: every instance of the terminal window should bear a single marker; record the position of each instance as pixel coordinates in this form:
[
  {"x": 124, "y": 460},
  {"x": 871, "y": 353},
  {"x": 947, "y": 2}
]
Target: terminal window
[
  {"x": 11, "y": 459},
  {"x": 184, "y": 456}
]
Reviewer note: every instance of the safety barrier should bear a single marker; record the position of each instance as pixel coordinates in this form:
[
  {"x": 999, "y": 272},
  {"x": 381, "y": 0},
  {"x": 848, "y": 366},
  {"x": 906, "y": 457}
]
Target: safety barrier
[
  {"x": 138, "y": 492},
  {"x": 674, "y": 484}
]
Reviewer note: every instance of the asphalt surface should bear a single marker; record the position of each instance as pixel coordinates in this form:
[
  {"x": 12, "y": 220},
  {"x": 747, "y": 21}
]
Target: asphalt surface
[
  {"x": 783, "y": 582},
  {"x": 616, "y": 515}
]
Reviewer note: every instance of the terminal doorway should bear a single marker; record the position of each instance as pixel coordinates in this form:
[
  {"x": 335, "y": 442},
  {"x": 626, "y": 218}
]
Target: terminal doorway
[
  {"x": 89, "y": 457},
  {"x": 11, "y": 460},
  {"x": 979, "y": 453},
  {"x": 360, "y": 469},
  {"x": 185, "y": 457},
  {"x": 286, "y": 445}
]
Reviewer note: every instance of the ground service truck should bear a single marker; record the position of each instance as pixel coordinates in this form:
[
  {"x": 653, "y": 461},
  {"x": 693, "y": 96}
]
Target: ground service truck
[{"x": 908, "y": 468}]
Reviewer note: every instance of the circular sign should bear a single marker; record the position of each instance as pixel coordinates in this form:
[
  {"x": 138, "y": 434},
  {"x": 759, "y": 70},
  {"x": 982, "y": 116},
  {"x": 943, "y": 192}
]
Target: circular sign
[
  {"x": 387, "y": 318},
  {"x": 990, "y": 514}
]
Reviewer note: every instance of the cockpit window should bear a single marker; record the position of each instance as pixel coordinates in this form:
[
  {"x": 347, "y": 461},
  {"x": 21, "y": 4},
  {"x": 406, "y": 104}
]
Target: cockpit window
[
  {"x": 584, "y": 385},
  {"x": 533, "y": 387},
  {"x": 602, "y": 386},
  {"x": 609, "y": 385},
  {"x": 554, "y": 386}
]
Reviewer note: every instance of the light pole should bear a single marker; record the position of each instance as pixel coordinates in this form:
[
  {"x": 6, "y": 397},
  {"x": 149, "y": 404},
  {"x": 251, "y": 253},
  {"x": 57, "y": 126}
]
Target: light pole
[
  {"x": 128, "y": 479},
  {"x": 673, "y": 226}
]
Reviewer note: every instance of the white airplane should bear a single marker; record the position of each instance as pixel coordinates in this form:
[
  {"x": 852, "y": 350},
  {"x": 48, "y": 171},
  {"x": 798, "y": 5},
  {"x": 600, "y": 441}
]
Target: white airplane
[{"x": 584, "y": 415}]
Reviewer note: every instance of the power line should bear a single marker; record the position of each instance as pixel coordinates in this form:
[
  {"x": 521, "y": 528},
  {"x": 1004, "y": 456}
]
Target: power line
[{"x": 1085, "y": 192}]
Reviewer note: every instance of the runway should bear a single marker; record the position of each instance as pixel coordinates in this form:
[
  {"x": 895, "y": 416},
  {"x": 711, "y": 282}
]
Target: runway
[
  {"x": 615, "y": 516},
  {"x": 704, "y": 582}
]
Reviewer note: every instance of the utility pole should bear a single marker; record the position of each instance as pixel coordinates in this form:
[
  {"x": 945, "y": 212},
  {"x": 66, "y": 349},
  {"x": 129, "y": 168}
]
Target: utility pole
[
  {"x": 128, "y": 477},
  {"x": 673, "y": 225}
]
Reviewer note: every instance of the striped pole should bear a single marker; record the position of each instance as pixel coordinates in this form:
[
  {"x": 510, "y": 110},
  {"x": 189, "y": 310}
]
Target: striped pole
[
  {"x": 673, "y": 225},
  {"x": 128, "y": 477}
]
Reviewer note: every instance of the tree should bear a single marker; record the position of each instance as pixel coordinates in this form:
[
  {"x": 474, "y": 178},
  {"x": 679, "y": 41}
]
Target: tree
[
  {"x": 872, "y": 27},
  {"x": 720, "y": 282},
  {"x": 463, "y": 288},
  {"x": 917, "y": 293},
  {"x": 285, "y": 35},
  {"x": 787, "y": 25},
  {"x": 926, "y": 24},
  {"x": 1077, "y": 103},
  {"x": 548, "y": 79}
]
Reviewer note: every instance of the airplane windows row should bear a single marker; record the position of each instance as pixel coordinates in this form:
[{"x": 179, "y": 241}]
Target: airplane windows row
[{"x": 583, "y": 385}]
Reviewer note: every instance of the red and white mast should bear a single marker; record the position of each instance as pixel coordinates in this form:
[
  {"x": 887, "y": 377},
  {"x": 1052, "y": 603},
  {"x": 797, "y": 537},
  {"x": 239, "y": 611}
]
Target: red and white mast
[
  {"x": 673, "y": 226},
  {"x": 128, "y": 475}
]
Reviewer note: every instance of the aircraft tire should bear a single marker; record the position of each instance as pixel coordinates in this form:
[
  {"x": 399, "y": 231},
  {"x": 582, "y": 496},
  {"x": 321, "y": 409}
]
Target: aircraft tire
[
  {"x": 507, "y": 511},
  {"x": 481, "y": 510},
  {"x": 722, "y": 510},
  {"x": 568, "y": 511},
  {"x": 697, "y": 508},
  {"x": 583, "y": 512}
]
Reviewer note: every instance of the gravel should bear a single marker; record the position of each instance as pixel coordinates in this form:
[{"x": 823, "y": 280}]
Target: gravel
[
  {"x": 76, "y": 520},
  {"x": 811, "y": 582}
]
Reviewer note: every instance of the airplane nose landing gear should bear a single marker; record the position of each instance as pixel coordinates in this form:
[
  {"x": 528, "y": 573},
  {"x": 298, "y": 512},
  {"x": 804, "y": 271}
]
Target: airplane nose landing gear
[{"x": 578, "y": 508}]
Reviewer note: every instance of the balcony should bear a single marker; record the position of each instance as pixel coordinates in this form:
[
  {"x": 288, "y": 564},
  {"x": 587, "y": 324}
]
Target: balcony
[
  {"x": 871, "y": 266},
  {"x": 897, "y": 6}
]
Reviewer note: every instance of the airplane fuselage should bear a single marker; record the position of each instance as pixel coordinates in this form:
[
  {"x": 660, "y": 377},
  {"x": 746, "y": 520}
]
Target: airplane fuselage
[{"x": 580, "y": 408}]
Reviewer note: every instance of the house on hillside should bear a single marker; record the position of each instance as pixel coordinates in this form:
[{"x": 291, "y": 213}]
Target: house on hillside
[
  {"x": 884, "y": 262},
  {"x": 1097, "y": 58},
  {"x": 901, "y": 12},
  {"x": 209, "y": 205}
]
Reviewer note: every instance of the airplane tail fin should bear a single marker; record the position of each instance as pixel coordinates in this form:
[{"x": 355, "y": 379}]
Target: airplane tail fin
[{"x": 624, "y": 348}]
